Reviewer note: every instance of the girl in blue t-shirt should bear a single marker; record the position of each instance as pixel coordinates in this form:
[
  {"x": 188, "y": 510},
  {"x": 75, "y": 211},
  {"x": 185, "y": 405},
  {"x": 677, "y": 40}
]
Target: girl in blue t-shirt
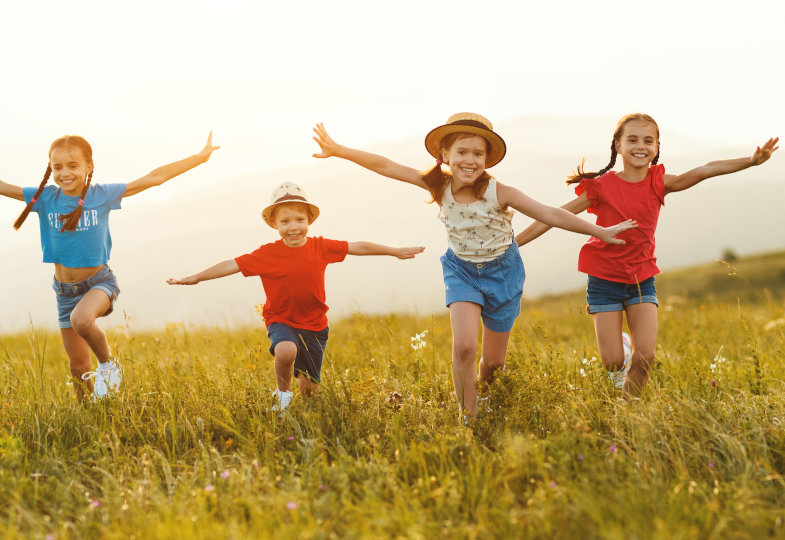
[{"x": 74, "y": 221}]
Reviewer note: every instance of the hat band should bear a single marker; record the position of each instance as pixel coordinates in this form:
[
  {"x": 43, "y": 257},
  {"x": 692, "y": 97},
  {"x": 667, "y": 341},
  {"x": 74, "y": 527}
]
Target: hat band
[
  {"x": 473, "y": 123},
  {"x": 288, "y": 197}
]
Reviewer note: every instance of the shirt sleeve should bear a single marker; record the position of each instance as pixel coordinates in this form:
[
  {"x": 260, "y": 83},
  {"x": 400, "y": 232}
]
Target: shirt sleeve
[
  {"x": 28, "y": 193},
  {"x": 592, "y": 187},
  {"x": 333, "y": 251},
  {"x": 251, "y": 264},
  {"x": 110, "y": 195}
]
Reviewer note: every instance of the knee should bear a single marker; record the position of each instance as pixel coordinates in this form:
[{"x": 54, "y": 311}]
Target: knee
[
  {"x": 82, "y": 324},
  {"x": 464, "y": 350},
  {"x": 286, "y": 352}
]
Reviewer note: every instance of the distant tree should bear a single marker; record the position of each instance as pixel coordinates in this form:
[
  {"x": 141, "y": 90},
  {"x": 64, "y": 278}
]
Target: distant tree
[{"x": 728, "y": 255}]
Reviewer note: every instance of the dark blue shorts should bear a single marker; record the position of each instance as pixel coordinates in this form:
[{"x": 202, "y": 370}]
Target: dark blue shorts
[
  {"x": 495, "y": 285},
  {"x": 69, "y": 294},
  {"x": 310, "y": 347},
  {"x": 603, "y": 295}
]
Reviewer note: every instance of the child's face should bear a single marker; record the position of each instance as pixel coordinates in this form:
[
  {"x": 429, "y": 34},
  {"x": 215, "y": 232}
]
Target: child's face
[
  {"x": 466, "y": 158},
  {"x": 292, "y": 224},
  {"x": 69, "y": 169},
  {"x": 638, "y": 143}
]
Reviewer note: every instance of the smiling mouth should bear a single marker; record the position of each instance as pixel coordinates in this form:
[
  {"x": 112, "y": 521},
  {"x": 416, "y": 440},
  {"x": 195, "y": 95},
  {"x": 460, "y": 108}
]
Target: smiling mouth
[
  {"x": 639, "y": 155},
  {"x": 468, "y": 171}
]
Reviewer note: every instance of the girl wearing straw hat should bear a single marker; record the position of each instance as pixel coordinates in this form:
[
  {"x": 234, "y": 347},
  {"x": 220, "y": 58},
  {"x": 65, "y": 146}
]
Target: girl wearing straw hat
[
  {"x": 292, "y": 273},
  {"x": 483, "y": 271}
]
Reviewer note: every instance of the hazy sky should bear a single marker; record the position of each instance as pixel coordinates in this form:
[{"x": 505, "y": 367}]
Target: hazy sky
[
  {"x": 266, "y": 71},
  {"x": 145, "y": 81}
]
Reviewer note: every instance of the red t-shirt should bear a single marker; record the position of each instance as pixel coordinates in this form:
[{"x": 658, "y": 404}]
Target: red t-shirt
[
  {"x": 614, "y": 200},
  {"x": 293, "y": 280}
]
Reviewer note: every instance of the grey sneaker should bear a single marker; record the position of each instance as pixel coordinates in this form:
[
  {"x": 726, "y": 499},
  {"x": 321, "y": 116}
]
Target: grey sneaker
[{"x": 618, "y": 377}]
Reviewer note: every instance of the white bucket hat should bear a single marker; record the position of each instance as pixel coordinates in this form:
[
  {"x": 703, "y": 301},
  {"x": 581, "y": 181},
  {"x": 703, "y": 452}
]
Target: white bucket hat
[{"x": 288, "y": 192}]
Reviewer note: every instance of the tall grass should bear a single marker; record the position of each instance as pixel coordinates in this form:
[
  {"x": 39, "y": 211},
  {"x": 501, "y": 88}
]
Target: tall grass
[{"x": 188, "y": 448}]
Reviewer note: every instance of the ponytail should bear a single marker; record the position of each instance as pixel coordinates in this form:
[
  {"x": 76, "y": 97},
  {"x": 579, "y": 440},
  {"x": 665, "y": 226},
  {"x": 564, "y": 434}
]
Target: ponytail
[
  {"x": 23, "y": 216},
  {"x": 71, "y": 219},
  {"x": 580, "y": 174},
  {"x": 435, "y": 180}
]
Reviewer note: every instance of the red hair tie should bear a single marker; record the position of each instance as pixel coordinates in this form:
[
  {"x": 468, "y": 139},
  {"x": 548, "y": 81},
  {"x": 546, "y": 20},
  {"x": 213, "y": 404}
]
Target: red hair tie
[
  {"x": 439, "y": 162},
  {"x": 81, "y": 202},
  {"x": 32, "y": 201}
]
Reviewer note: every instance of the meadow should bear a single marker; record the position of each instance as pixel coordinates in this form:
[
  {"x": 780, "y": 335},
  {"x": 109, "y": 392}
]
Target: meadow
[{"x": 188, "y": 449}]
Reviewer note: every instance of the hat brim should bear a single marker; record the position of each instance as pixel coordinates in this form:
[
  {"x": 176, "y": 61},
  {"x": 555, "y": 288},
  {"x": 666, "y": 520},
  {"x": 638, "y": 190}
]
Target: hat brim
[
  {"x": 268, "y": 211},
  {"x": 496, "y": 152}
]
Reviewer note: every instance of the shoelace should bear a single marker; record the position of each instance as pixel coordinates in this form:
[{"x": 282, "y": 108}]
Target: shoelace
[{"x": 89, "y": 375}]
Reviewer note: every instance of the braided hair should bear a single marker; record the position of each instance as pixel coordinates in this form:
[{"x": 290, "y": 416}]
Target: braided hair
[
  {"x": 70, "y": 220},
  {"x": 436, "y": 180},
  {"x": 580, "y": 173},
  {"x": 23, "y": 216}
]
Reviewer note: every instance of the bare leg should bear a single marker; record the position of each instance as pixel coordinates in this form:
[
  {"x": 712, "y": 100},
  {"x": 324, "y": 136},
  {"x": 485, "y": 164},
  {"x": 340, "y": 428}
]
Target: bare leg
[
  {"x": 79, "y": 361},
  {"x": 465, "y": 319},
  {"x": 285, "y": 354},
  {"x": 307, "y": 386},
  {"x": 90, "y": 307},
  {"x": 494, "y": 351},
  {"x": 607, "y": 327},
  {"x": 642, "y": 320}
]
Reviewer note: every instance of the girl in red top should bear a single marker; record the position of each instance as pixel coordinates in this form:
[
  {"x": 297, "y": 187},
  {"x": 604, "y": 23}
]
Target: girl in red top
[{"x": 621, "y": 277}]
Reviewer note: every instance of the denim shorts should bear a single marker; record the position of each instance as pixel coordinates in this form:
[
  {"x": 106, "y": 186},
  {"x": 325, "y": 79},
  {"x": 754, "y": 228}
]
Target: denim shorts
[
  {"x": 69, "y": 294},
  {"x": 603, "y": 295},
  {"x": 495, "y": 285},
  {"x": 310, "y": 348}
]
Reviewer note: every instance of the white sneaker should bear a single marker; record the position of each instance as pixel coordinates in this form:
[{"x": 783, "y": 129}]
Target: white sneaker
[
  {"x": 99, "y": 385},
  {"x": 618, "y": 377},
  {"x": 112, "y": 374},
  {"x": 283, "y": 398}
]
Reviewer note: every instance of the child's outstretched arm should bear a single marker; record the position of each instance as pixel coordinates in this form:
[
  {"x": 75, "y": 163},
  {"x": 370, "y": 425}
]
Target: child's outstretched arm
[
  {"x": 680, "y": 182},
  {"x": 9, "y": 190},
  {"x": 558, "y": 217},
  {"x": 167, "y": 172},
  {"x": 537, "y": 229},
  {"x": 369, "y": 248},
  {"x": 374, "y": 162},
  {"x": 222, "y": 269}
]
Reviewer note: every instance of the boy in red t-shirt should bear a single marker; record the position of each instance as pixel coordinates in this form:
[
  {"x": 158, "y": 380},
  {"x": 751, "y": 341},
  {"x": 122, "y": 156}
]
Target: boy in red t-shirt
[{"x": 292, "y": 274}]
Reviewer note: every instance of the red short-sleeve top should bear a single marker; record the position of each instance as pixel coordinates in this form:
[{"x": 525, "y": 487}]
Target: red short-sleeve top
[
  {"x": 293, "y": 279},
  {"x": 614, "y": 200}
]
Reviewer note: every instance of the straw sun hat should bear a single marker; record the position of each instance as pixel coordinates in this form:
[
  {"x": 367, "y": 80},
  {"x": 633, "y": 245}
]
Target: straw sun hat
[
  {"x": 467, "y": 123},
  {"x": 286, "y": 193}
]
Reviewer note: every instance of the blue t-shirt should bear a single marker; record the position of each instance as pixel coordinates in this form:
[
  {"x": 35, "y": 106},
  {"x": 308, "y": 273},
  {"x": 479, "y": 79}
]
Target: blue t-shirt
[{"x": 90, "y": 243}]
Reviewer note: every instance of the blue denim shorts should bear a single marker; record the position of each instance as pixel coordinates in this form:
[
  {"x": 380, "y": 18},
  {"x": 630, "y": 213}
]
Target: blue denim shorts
[
  {"x": 603, "y": 295},
  {"x": 495, "y": 285},
  {"x": 310, "y": 348},
  {"x": 69, "y": 294}
]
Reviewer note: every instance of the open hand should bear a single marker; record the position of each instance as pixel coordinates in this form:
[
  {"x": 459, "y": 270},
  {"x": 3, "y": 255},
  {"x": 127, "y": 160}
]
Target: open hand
[
  {"x": 190, "y": 280},
  {"x": 609, "y": 233},
  {"x": 408, "y": 252},
  {"x": 763, "y": 153},
  {"x": 208, "y": 149},
  {"x": 328, "y": 146}
]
